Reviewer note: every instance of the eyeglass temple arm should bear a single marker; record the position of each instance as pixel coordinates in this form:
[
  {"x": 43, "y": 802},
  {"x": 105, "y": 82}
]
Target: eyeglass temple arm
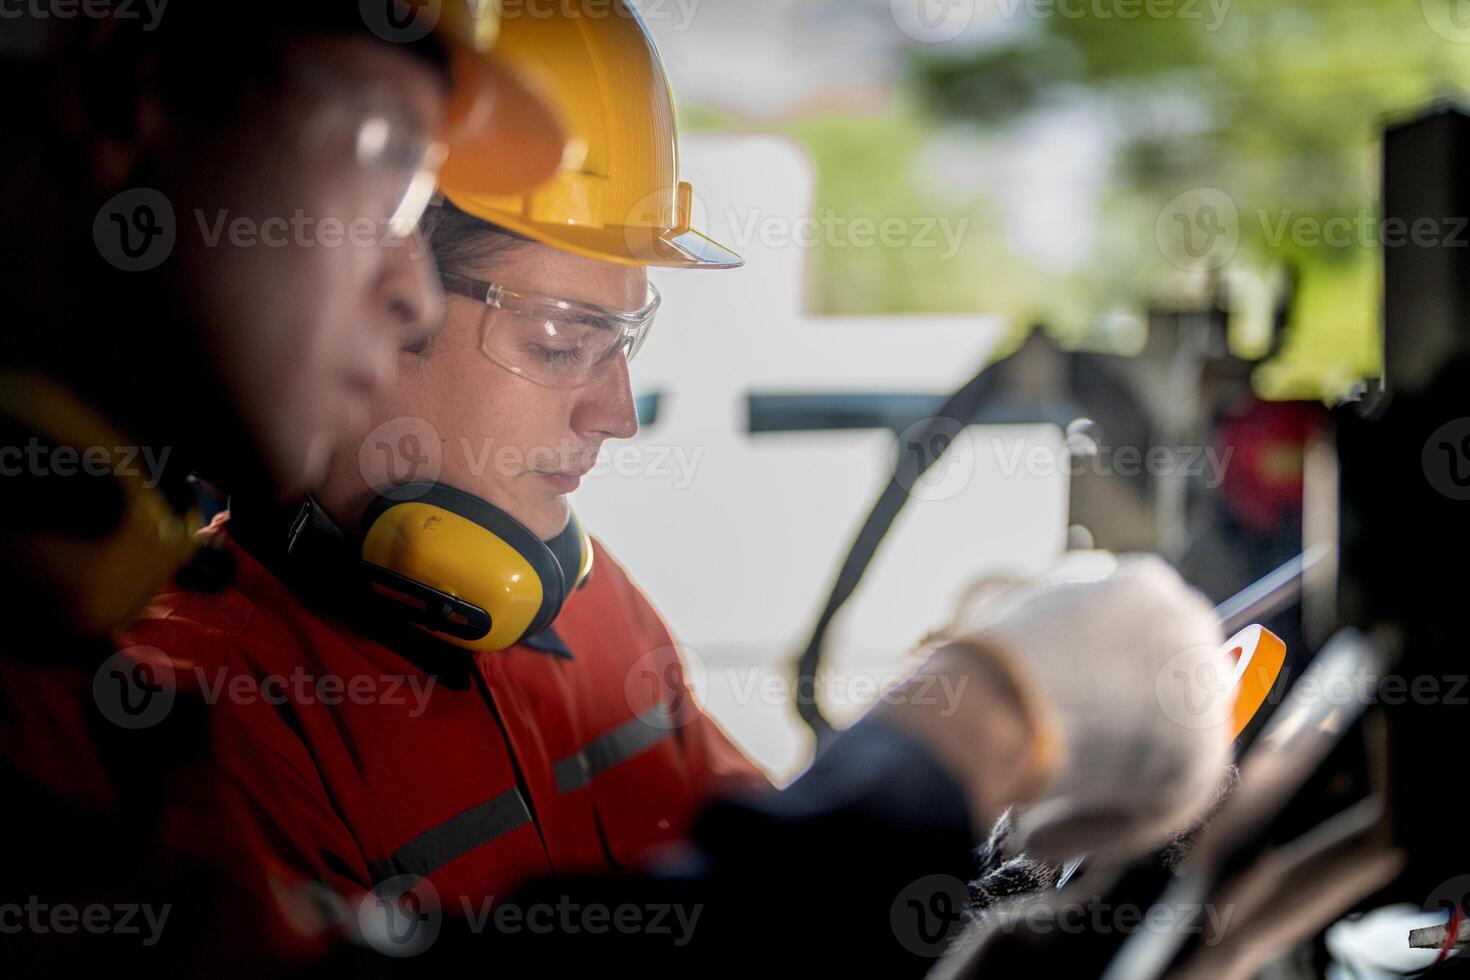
[{"x": 465, "y": 286}]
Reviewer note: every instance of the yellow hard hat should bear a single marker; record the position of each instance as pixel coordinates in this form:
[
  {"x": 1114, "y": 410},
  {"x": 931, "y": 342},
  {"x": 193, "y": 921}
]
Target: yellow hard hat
[
  {"x": 617, "y": 195},
  {"x": 503, "y": 132}
]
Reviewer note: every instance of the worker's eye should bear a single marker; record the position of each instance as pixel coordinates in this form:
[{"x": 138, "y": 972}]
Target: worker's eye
[{"x": 558, "y": 356}]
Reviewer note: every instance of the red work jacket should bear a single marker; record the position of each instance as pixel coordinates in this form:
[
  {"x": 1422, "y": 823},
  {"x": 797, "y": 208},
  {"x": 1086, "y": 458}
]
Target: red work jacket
[{"x": 579, "y": 751}]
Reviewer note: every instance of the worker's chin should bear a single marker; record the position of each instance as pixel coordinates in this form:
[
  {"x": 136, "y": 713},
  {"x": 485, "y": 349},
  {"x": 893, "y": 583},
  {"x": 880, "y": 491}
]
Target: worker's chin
[{"x": 549, "y": 518}]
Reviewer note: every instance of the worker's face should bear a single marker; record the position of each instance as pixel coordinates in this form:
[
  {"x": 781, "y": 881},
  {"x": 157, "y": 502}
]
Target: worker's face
[
  {"x": 518, "y": 444},
  {"x": 304, "y": 296}
]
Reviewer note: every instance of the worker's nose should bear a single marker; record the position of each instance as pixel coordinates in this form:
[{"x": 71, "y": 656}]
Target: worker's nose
[{"x": 606, "y": 409}]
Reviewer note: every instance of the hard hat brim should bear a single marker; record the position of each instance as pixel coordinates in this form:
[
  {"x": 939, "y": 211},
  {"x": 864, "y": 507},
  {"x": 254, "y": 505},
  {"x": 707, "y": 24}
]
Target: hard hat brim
[{"x": 665, "y": 248}]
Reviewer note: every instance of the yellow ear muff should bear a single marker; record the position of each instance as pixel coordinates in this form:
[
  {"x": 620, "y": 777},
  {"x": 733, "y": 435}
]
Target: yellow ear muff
[
  {"x": 462, "y": 568},
  {"x": 99, "y": 580}
]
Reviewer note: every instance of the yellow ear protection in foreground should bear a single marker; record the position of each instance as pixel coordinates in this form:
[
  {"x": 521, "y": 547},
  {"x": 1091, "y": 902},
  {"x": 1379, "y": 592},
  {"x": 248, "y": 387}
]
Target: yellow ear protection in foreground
[
  {"x": 120, "y": 537},
  {"x": 466, "y": 570}
]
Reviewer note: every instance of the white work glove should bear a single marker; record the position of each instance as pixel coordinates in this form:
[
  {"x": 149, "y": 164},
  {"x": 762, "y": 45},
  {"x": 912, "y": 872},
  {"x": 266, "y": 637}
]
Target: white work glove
[{"x": 1118, "y": 684}]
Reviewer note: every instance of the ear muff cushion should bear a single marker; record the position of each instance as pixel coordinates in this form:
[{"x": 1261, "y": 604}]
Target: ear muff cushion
[
  {"x": 458, "y": 544},
  {"x": 572, "y": 549}
]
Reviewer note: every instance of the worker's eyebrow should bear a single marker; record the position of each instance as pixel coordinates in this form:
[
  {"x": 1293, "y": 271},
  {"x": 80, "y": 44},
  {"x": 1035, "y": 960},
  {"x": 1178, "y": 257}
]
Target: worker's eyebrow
[{"x": 592, "y": 320}]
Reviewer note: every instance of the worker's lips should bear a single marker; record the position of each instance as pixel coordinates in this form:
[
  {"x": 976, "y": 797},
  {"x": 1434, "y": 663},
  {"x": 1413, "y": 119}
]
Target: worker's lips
[{"x": 562, "y": 483}]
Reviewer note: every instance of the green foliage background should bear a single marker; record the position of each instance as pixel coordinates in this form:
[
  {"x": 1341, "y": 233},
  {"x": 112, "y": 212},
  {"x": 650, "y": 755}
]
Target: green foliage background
[{"x": 1283, "y": 104}]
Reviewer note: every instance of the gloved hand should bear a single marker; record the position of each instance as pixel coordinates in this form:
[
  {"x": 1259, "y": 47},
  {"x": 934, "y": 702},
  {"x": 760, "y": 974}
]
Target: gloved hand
[{"x": 1119, "y": 689}]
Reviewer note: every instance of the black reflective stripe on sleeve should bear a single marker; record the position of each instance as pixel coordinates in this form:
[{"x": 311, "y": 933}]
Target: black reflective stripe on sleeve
[
  {"x": 456, "y": 837},
  {"x": 619, "y": 745}
]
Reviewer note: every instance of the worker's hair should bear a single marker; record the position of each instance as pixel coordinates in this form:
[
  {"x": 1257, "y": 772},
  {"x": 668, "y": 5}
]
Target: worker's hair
[{"x": 459, "y": 240}]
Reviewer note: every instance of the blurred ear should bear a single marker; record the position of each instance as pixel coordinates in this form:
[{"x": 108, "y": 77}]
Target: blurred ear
[
  {"x": 108, "y": 104},
  {"x": 116, "y": 159}
]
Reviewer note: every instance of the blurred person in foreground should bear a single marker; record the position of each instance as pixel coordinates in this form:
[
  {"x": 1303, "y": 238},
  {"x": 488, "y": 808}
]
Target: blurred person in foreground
[{"x": 211, "y": 268}]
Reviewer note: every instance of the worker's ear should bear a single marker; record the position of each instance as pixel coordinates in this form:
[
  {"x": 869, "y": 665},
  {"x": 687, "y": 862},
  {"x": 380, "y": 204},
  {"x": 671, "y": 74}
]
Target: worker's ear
[
  {"x": 116, "y": 160},
  {"x": 110, "y": 106}
]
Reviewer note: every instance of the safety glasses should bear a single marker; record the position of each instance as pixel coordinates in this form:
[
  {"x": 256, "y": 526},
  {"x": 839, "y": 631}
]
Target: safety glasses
[
  {"x": 394, "y": 162},
  {"x": 554, "y": 342}
]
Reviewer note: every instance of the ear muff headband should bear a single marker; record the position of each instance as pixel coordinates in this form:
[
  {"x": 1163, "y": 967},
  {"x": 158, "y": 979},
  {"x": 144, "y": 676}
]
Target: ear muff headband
[{"x": 462, "y": 567}]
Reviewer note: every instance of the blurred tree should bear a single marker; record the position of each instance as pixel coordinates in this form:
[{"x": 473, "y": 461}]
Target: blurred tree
[{"x": 1117, "y": 155}]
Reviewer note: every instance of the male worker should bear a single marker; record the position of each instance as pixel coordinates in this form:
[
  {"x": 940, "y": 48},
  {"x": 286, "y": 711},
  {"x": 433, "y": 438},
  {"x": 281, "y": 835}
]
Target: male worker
[
  {"x": 522, "y": 710},
  {"x": 548, "y": 731},
  {"x": 140, "y": 347}
]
